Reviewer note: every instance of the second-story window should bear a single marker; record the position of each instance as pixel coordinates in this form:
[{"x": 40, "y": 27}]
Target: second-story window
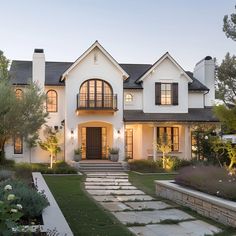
[
  {"x": 19, "y": 93},
  {"x": 51, "y": 101},
  {"x": 166, "y": 94},
  {"x": 96, "y": 93},
  {"x": 128, "y": 97}
]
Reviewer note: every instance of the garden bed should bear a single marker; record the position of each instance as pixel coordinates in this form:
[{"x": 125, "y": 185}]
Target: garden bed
[{"x": 218, "y": 209}]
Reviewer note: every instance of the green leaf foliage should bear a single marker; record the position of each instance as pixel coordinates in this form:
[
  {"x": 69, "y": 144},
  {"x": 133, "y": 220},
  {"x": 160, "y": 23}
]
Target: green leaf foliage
[{"x": 229, "y": 26}]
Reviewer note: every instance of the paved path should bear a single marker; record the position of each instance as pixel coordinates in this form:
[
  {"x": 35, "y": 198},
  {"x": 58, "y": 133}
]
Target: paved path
[{"x": 143, "y": 215}]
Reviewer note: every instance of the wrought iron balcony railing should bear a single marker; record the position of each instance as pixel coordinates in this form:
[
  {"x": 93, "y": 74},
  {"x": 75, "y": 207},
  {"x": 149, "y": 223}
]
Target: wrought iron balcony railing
[{"x": 96, "y": 101}]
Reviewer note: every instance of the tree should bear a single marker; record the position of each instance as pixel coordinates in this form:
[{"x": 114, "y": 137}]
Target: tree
[
  {"x": 226, "y": 92},
  {"x": 229, "y": 26},
  {"x": 23, "y": 116},
  {"x": 51, "y": 143},
  {"x": 164, "y": 146}
]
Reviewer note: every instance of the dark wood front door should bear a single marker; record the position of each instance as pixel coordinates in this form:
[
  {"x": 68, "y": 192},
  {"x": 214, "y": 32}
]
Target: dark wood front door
[{"x": 93, "y": 143}]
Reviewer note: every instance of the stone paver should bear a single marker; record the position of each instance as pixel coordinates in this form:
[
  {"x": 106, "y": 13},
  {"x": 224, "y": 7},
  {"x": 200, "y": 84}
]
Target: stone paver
[
  {"x": 114, "y": 192},
  {"x": 188, "y": 228},
  {"x": 150, "y": 217},
  {"x": 157, "y": 205},
  {"x": 115, "y": 206},
  {"x": 132, "y": 206},
  {"x": 97, "y": 187}
]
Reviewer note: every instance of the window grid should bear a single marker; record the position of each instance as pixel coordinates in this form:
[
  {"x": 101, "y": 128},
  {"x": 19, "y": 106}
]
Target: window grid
[
  {"x": 18, "y": 144},
  {"x": 128, "y": 97},
  {"x": 19, "y": 93},
  {"x": 172, "y": 136},
  {"x": 51, "y": 101},
  {"x": 129, "y": 143},
  {"x": 166, "y": 94}
]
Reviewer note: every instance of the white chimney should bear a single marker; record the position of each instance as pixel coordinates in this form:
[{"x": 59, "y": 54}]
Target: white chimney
[
  {"x": 204, "y": 71},
  {"x": 39, "y": 67}
]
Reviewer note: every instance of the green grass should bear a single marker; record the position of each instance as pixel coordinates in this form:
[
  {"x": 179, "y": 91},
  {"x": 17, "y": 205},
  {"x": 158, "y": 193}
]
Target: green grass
[
  {"x": 84, "y": 216},
  {"x": 146, "y": 182}
]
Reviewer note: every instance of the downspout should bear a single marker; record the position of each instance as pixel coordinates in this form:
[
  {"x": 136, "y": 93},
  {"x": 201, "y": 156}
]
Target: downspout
[{"x": 204, "y": 97}]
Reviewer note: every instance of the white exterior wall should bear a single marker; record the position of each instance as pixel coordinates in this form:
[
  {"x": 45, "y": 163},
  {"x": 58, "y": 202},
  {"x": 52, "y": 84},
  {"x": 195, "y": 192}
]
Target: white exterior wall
[
  {"x": 87, "y": 69},
  {"x": 137, "y": 103},
  {"x": 166, "y": 72},
  {"x": 195, "y": 100}
]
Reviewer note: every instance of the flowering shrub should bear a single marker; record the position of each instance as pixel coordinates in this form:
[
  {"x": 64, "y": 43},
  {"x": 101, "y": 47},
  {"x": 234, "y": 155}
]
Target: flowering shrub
[
  {"x": 209, "y": 179},
  {"x": 10, "y": 213}
]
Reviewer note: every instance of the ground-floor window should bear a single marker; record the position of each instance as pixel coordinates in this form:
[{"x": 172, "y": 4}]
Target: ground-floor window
[
  {"x": 172, "y": 136},
  {"x": 18, "y": 144},
  {"x": 129, "y": 143}
]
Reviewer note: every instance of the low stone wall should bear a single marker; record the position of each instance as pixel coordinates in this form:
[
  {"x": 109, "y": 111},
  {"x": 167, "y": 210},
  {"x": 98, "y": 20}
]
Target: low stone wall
[{"x": 218, "y": 209}]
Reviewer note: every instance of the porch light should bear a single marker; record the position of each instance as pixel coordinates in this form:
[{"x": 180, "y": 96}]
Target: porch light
[{"x": 72, "y": 134}]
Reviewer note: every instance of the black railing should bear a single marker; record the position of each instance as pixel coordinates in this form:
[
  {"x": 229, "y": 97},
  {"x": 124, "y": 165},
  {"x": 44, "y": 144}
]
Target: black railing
[{"x": 96, "y": 101}]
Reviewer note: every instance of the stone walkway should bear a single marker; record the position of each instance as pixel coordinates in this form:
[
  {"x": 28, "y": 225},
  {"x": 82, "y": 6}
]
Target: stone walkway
[{"x": 143, "y": 215}]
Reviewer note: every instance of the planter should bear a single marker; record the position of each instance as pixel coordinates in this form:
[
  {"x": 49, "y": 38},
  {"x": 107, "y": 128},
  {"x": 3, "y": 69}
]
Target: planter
[
  {"x": 77, "y": 157},
  {"x": 218, "y": 209},
  {"x": 114, "y": 157}
]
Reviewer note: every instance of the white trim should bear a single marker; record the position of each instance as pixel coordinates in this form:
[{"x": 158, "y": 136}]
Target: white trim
[
  {"x": 159, "y": 61},
  {"x": 99, "y": 46}
]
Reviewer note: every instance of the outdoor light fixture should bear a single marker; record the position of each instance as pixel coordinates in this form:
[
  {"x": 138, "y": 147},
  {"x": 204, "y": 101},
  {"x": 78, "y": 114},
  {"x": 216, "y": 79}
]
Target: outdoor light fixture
[
  {"x": 118, "y": 131},
  {"x": 72, "y": 133}
]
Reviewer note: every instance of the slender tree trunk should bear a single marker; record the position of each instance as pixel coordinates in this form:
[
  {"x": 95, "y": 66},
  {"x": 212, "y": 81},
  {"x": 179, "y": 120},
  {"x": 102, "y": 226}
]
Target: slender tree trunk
[
  {"x": 51, "y": 160},
  {"x": 2, "y": 148}
]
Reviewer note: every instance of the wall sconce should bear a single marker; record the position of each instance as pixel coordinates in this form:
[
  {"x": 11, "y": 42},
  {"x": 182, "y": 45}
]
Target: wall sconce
[
  {"x": 118, "y": 131},
  {"x": 72, "y": 134}
]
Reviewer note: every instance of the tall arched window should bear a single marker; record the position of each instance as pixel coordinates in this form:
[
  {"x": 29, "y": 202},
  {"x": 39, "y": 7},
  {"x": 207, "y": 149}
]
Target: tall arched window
[
  {"x": 51, "y": 101},
  {"x": 19, "y": 93},
  {"x": 96, "y": 93}
]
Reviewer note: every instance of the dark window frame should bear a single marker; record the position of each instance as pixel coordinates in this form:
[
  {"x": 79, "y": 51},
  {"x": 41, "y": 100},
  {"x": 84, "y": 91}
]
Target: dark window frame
[
  {"x": 21, "y": 144},
  {"x": 47, "y": 98},
  {"x": 165, "y": 95},
  {"x": 172, "y": 136},
  {"x": 129, "y": 144}
]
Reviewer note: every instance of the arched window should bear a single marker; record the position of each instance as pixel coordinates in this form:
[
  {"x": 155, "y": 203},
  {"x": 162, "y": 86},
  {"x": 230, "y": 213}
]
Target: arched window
[
  {"x": 51, "y": 101},
  {"x": 19, "y": 93},
  {"x": 96, "y": 93},
  {"x": 128, "y": 97}
]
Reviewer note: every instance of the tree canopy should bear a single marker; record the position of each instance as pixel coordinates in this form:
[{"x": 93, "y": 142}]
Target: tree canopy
[
  {"x": 229, "y": 26},
  {"x": 19, "y": 116}
]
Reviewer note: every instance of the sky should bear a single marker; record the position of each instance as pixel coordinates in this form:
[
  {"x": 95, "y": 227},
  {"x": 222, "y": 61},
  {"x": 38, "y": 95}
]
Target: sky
[{"x": 132, "y": 31}]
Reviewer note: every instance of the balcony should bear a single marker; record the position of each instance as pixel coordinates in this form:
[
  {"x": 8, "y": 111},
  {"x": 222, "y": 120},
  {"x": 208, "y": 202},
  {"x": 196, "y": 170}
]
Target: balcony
[{"x": 96, "y": 102}]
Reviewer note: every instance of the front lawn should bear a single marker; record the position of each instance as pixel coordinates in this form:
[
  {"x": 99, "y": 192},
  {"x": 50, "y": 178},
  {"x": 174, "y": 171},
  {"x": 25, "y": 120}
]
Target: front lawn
[
  {"x": 84, "y": 216},
  {"x": 146, "y": 182}
]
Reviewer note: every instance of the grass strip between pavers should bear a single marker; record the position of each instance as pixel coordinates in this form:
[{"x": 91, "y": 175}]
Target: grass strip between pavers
[{"x": 83, "y": 214}]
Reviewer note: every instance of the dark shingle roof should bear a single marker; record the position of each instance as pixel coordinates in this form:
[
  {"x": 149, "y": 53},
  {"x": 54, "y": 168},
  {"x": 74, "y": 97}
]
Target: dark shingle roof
[
  {"x": 194, "y": 114},
  {"x": 196, "y": 85},
  {"x": 134, "y": 71},
  {"x": 21, "y": 73}
]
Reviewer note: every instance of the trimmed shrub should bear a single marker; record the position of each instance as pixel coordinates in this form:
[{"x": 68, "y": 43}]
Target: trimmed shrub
[
  {"x": 24, "y": 170},
  {"x": 209, "y": 179},
  {"x": 6, "y": 174},
  {"x": 32, "y": 201},
  {"x": 146, "y": 166}
]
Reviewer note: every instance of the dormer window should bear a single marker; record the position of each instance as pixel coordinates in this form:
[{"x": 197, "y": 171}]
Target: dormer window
[
  {"x": 128, "y": 97},
  {"x": 166, "y": 94}
]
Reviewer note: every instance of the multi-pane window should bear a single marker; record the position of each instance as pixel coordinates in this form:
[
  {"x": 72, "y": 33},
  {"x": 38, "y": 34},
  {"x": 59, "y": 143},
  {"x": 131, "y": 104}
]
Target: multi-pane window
[
  {"x": 128, "y": 97},
  {"x": 95, "y": 93},
  {"x": 18, "y": 144},
  {"x": 51, "y": 101},
  {"x": 166, "y": 94},
  {"x": 19, "y": 93},
  {"x": 172, "y": 134},
  {"x": 129, "y": 143}
]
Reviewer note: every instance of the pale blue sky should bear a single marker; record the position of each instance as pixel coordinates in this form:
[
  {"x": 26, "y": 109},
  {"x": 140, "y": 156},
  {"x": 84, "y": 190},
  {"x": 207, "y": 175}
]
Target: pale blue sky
[{"x": 132, "y": 31}]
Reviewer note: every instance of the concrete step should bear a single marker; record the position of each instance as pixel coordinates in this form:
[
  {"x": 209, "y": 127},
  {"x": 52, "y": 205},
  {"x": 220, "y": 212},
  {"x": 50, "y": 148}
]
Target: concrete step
[{"x": 101, "y": 167}]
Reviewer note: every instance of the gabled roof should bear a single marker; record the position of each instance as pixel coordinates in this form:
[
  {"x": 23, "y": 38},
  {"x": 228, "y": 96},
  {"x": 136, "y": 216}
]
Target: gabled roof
[
  {"x": 94, "y": 45},
  {"x": 158, "y": 62},
  {"x": 196, "y": 85}
]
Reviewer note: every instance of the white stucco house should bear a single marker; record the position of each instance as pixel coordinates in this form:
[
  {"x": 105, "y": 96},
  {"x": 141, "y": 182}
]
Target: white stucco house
[{"x": 98, "y": 103}]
